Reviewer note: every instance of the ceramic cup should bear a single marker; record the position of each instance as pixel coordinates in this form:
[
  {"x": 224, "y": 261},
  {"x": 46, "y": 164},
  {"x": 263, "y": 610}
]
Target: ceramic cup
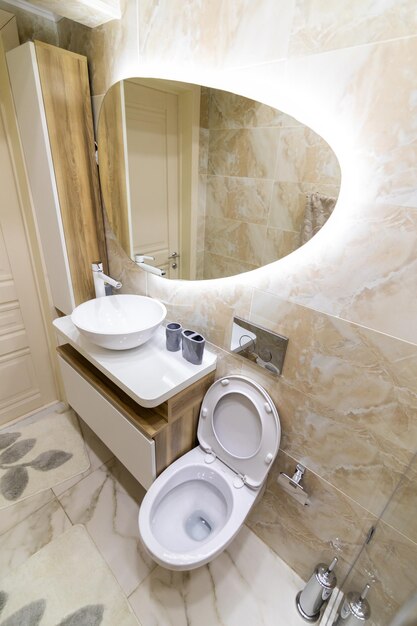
[
  {"x": 193, "y": 346},
  {"x": 173, "y": 336}
]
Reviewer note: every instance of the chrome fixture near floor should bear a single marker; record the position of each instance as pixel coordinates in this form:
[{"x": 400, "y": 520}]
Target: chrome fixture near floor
[
  {"x": 355, "y": 609},
  {"x": 311, "y": 600}
]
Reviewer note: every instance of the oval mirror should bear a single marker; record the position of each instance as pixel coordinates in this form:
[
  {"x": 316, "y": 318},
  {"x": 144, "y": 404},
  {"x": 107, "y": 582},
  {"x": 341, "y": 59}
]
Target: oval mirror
[{"x": 200, "y": 183}]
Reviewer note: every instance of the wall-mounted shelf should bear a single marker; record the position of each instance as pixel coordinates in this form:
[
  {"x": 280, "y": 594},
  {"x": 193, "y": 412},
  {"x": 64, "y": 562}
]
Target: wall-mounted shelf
[{"x": 149, "y": 374}]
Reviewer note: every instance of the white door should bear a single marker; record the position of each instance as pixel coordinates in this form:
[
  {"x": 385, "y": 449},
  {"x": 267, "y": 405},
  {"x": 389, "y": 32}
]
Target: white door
[
  {"x": 26, "y": 378},
  {"x": 152, "y": 154}
]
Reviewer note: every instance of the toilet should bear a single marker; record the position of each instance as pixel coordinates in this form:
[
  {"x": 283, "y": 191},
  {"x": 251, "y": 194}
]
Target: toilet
[{"x": 195, "y": 508}]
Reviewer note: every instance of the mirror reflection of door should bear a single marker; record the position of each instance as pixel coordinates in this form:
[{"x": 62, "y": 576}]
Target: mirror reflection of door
[{"x": 151, "y": 118}]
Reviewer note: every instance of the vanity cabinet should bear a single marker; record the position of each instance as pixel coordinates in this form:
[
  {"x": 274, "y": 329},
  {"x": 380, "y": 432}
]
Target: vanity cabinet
[
  {"x": 52, "y": 99},
  {"x": 146, "y": 440}
]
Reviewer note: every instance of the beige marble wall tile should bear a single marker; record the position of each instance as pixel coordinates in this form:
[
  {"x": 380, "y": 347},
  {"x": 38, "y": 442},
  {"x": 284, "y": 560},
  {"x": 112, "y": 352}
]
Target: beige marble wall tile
[
  {"x": 229, "y": 110},
  {"x": 287, "y": 208},
  {"x": 400, "y": 513},
  {"x": 327, "y": 355},
  {"x": 112, "y": 49},
  {"x": 214, "y": 33},
  {"x": 210, "y": 311},
  {"x": 234, "y": 124},
  {"x": 303, "y": 156},
  {"x": 357, "y": 456},
  {"x": 31, "y": 26},
  {"x": 369, "y": 122},
  {"x": 235, "y": 239},
  {"x": 247, "y": 153},
  {"x": 218, "y": 266},
  {"x": 80, "y": 39},
  {"x": 391, "y": 129},
  {"x": 243, "y": 199},
  {"x": 359, "y": 460},
  {"x": 388, "y": 239},
  {"x": 354, "y": 422},
  {"x": 327, "y": 275},
  {"x": 278, "y": 243},
  {"x": 227, "y": 363},
  {"x": 318, "y": 25},
  {"x": 332, "y": 525}
]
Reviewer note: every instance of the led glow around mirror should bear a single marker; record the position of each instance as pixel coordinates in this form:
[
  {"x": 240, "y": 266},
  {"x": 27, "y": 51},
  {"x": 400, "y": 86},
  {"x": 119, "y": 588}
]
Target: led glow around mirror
[{"x": 207, "y": 182}]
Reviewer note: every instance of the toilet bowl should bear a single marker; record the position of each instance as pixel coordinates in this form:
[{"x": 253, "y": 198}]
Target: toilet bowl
[{"x": 195, "y": 508}]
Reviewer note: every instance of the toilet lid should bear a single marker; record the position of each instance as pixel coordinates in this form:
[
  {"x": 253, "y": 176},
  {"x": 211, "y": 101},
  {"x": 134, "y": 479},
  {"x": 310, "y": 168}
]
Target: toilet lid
[{"x": 239, "y": 424}]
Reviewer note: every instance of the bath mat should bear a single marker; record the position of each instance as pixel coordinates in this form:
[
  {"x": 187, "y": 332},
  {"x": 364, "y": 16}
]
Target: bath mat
[
  {"x": 37, "y": 454},
  {"x": 66, "y": 583}
]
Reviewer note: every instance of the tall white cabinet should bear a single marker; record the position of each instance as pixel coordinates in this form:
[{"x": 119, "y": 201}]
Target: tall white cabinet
[{"x": 52, "y": 100}]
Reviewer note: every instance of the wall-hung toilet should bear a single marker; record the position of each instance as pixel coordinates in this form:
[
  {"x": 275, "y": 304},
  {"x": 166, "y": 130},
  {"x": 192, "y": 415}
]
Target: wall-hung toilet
[{"x": 196, "y": 506}]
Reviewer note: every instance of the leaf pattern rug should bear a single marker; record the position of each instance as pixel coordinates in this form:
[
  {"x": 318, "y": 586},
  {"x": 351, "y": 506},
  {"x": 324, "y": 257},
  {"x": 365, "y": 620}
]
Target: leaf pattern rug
[
  {"x": 66, "y": 583},
  {"x": 38, "y": 453}
]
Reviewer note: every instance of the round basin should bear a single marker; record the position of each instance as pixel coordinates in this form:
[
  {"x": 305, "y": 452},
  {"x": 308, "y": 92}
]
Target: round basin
[{"x": 119, "y": 322}]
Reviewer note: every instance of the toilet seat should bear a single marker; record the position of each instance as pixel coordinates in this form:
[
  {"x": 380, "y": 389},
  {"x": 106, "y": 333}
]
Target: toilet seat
[
  {"x": 195, "y": 508},
  {"x": 239, "y": 425}
]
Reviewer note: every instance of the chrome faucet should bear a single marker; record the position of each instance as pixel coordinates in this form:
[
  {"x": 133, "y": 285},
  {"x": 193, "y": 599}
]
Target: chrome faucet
[{"x": 100, "y": 280}]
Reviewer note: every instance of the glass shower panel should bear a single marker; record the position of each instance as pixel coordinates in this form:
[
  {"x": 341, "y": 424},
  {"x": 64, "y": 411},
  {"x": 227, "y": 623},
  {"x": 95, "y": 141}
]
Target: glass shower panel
[{"x": 388, "y": 563}]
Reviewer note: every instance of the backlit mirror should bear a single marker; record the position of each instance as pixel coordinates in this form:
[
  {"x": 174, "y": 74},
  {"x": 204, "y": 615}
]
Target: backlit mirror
[{"x": 206, "y": 182}]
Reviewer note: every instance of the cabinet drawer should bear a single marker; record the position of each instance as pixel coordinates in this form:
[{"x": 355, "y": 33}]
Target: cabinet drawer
[{"x": 130, "y": 446}]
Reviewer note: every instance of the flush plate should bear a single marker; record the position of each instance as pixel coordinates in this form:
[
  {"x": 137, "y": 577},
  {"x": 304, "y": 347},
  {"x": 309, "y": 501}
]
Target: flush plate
[{"x": 259, "y": 345}]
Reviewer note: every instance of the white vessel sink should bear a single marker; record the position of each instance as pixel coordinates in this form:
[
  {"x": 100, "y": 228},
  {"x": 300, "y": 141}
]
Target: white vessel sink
[{"x": 119, "y": 322}]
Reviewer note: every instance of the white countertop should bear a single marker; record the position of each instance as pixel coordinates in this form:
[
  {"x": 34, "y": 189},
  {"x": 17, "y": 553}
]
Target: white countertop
[{"x": 149, "y": 374}]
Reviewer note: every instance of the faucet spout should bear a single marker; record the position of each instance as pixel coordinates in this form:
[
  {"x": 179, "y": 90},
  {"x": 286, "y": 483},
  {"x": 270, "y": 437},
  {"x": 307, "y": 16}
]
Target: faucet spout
[{"x": 100, "y": 279}]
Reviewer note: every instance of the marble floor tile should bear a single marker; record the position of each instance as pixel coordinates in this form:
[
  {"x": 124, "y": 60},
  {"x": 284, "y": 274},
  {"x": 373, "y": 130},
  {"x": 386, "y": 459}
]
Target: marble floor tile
[
  {"x": 98, "y": 453},
  {"x": 107, "y": 503},
  {"x": 246, "y": 585},
  {"x": 31, "y": 534}
]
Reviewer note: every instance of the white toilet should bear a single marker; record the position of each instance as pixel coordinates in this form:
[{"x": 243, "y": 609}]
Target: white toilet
[{"x": 196, "y": 506}]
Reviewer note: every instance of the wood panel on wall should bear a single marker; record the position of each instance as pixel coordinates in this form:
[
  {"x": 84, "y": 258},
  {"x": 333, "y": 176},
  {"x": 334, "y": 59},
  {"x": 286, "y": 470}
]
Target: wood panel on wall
[{"x": 66, "y": 96}]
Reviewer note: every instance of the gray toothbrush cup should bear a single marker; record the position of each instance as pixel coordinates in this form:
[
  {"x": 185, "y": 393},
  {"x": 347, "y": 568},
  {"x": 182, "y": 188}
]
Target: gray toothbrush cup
[
  {"x": 193, "y": 346},
  {"x": 173, "y": 336}
]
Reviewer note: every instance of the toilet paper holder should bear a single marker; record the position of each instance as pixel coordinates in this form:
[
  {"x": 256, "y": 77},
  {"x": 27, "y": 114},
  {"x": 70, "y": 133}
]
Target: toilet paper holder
[{"x": 293, "y": 486}]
